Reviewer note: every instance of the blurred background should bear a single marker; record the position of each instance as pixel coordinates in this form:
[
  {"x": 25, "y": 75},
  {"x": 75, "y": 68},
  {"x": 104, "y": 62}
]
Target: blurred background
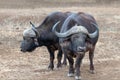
[{"x": 56, "y": 3}]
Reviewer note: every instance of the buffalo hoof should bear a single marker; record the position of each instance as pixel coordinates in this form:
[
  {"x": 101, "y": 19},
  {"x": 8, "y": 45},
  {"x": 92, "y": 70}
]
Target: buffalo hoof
[
  {"x": 59, "y": 65},
  {"x": 77, "y": 78},
  {"x": 92, "y": 71},
  {"x": 50, "y": 67},
  {"x": 70, "y": 74},
  {"x": 64, "y": 63}
]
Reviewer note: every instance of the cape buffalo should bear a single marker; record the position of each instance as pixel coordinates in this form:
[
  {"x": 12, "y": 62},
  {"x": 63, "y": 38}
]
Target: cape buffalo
[
  {"x": 43, "y": 36},
  {"x": 79, "y": 34}
]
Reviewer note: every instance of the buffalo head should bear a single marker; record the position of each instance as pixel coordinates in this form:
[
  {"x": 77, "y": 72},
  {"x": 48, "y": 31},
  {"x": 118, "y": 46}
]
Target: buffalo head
[
  {"x": 29, "y": 42},
  {"x": 76, "y": 37}
]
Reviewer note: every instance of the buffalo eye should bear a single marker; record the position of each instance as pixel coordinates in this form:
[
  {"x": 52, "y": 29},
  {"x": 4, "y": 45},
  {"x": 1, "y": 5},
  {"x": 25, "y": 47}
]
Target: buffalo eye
[{"x": 28, "y": 38}]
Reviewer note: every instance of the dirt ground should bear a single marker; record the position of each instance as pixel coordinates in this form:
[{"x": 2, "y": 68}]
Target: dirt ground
[{"x": 15, "y": 65}]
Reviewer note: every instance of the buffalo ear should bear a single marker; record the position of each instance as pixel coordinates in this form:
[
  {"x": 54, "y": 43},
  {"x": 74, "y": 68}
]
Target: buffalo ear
[
  {"x": 88, "y": 39},
  {"x": 65, "y": 43}
]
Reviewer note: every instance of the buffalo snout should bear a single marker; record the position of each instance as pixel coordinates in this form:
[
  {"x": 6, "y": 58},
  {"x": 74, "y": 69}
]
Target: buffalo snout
[{"x": 81, "y": 49}]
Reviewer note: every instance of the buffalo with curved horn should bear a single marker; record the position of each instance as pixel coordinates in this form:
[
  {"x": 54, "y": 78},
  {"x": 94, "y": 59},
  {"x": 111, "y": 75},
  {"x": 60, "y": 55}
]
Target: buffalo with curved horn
[
  {"x": 79, "y": 34},
  {"x": 43, "y": 36}
]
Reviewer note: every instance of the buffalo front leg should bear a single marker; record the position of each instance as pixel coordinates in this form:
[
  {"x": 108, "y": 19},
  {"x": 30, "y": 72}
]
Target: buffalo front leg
[
  {"x": 64, "y": 60},
  {"x": 71, "y": 69},
  {"x": 91, "y": 56},
  {"x": 51, "y": 52},
  {"x": 78, "y": 62},
  {"x": 65, "y": 56},
  {"x": 59, "y": 57}
]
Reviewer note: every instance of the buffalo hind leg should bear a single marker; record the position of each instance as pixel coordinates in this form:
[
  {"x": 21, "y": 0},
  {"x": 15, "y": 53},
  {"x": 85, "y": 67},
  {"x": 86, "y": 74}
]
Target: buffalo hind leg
[
  {"x": 91, "y": 56},
  {"x": 65, "y": 57},
  {"x": 59, "y": 57},
  {"x": 51, "y": 52}
]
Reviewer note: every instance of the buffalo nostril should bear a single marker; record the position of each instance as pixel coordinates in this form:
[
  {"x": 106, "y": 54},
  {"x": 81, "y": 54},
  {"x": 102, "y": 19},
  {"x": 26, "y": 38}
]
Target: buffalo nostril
[{"x": 80, "y": 49}]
